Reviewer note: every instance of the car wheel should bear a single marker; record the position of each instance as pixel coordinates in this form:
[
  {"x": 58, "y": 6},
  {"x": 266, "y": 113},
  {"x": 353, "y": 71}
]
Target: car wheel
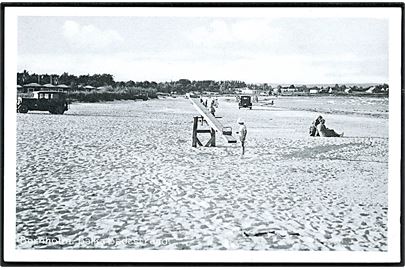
[
  {"x": 23, "y": 108},
  {"x": 60, "y": 110}
]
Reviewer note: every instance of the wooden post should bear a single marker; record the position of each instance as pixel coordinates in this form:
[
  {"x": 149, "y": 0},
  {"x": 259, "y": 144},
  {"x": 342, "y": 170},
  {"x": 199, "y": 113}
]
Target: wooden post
[
  {"x": 195, "y": 140},
  {"x": 212, "y": 137},
  {"x": 195, "y": 124}
]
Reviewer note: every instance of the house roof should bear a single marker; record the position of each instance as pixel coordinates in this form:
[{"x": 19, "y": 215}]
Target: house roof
[{"x": 33, "y": 85}]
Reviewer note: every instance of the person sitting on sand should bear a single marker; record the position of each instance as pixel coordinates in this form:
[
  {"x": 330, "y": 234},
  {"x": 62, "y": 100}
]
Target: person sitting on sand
[
  {"x": 326, "y": 132},
  {"x": 242, "y": 134},
  {"x": 312, "y": 129}
]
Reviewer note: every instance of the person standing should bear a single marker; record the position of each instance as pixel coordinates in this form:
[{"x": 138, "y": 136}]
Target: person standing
[
  {"x": 212, "y": 108},
  {"x": 242, "y": 134}
]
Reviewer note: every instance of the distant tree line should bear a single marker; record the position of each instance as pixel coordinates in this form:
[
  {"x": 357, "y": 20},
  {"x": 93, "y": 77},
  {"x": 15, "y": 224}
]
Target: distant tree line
[
  {"x": 181, "y": 86},
  {"x": 335, "y": 89},
  {"x": 65, "y": 78}
]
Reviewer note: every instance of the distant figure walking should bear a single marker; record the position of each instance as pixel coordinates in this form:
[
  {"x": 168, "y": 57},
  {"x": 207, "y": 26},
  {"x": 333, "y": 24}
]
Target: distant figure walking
[
  {"x": 206, "y": 103},
  {"x": 312, "y": 129},
  {"x": 323, "y": 131},
  {"x": 212, "y": 108},
  {"x": 242, "y": 134}
]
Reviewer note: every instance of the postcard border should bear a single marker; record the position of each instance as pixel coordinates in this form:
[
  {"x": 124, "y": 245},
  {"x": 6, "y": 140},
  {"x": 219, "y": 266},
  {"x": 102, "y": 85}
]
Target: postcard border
[{"x": 199, "y": 5}]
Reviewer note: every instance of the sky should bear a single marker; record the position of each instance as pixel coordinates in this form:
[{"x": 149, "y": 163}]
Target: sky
[{"x": 252, "y": 49}]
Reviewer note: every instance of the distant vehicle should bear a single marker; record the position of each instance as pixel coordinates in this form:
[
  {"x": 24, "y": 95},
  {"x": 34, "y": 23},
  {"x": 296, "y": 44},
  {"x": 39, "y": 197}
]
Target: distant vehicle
[
  {"x": 52, "y": 101},
  {"x": 192, "y": 95},
  {"x": 245, "y": 102}
]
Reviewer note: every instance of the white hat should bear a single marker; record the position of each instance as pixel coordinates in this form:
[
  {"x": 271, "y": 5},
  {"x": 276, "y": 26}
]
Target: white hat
[{"x": 240, "y": 121}]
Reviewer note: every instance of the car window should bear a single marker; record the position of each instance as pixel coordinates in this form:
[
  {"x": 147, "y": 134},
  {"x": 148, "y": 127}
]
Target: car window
[{"x": 46, "y": 96}]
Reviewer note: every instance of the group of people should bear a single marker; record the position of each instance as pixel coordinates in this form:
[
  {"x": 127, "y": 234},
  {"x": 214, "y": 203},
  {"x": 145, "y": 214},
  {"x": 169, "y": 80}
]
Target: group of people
[
  {"x": 318, "y": 128},
  {"x": 214, "y": 104},
  {"x": 242, "y": 132}
]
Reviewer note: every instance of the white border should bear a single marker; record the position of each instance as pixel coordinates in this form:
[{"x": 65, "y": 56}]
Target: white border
[{"x": 393, "y": 253}]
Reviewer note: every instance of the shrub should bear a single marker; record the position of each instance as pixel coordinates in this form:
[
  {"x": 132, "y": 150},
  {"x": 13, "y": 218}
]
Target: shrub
[{"x": 110, "y": 94}]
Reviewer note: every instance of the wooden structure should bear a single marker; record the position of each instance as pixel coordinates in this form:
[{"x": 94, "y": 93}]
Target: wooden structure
[{"x": 213, "y": 123}]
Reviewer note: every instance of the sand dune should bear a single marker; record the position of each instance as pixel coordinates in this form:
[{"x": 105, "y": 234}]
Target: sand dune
[{"x": 124, "y": 175}]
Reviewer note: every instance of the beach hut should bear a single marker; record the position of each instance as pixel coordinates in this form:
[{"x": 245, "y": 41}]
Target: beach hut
[
  {"x": 31, "y": 87},
  {"x": 48, "y": 86},
  {"x": 348, "y": 90},
  {"x": 246, "y": 91},
  {"x": 371, "y": 90},
  {"x": 89, "y": 87},
  {"x": 291, "y": 89},
  {"x": 105, "y": 88},
  {"x": 62, "y": 87}
]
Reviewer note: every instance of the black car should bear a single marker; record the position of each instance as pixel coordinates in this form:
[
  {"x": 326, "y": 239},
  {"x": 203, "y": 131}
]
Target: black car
[
  {"x": 52, "y": 101},
  {"x": 245, "y": 102}
]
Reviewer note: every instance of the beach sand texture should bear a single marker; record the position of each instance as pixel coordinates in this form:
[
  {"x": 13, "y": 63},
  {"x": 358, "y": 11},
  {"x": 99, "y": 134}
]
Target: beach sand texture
[{"x": 126, "y": 170}]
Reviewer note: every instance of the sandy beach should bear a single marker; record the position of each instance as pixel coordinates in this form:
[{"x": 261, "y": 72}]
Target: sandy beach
[{"x": 123, "y": 175}]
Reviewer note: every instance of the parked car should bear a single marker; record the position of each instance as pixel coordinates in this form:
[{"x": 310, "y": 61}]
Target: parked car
[
  {"x": 245, "y": 102},
  {"x": 52, "y": 101}
]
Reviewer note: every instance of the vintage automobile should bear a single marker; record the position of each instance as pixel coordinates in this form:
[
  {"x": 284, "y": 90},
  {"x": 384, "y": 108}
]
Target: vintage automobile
[
  {"x": 245, "y": 102},
  {"x": 52, "y": 101}
]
